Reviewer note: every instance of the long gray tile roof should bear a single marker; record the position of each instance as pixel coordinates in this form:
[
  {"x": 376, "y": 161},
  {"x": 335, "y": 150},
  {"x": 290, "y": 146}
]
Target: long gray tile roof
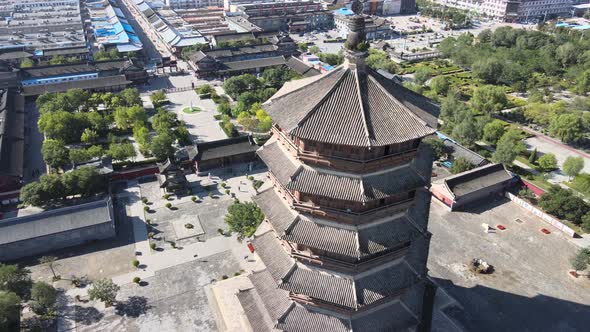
[
  {"x": 55, "y": 221},
  {"x": 293, "y": 175},
  {"x": 301, "y": 319},
  {"x": 277, "y": 212},
  {"x": 278, "y": 162},
  {"x": 254, "y": 308},
  {"x": 390, "y": 317},
  {"x": 356, "y": 244},
  {"x": 477, "y": 179},
  {"x": 363, "y": 189},
  {"x": 342, "y": 290},
  {"x": 275, "y": 257},
  {"x": 275, "y": 300},
  {"x": 348, "y": 107}
]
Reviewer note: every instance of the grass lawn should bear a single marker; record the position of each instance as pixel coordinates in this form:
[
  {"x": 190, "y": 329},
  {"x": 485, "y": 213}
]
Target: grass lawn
[
  {"x": 189, "y": 110},
  {"x": 525, "y": 161}
]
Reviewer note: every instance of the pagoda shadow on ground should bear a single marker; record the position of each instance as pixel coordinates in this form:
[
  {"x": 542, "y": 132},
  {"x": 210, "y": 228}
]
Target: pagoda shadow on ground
[{"x": 488, "y": 309}]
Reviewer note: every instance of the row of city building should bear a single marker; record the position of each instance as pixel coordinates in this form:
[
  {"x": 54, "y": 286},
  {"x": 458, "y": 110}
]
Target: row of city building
[{"x": 72, "y": 30}]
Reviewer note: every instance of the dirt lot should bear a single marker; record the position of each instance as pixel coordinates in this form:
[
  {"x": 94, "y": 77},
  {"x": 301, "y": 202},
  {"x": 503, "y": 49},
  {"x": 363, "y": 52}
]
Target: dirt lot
[{"x": 530, "y": 289}]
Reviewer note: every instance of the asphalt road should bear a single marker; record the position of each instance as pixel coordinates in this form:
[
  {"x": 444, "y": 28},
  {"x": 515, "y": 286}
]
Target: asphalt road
[{"x": 150, "y": 48}]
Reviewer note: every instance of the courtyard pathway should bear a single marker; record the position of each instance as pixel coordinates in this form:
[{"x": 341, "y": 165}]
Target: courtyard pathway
[{"x": 153, "y": 261}]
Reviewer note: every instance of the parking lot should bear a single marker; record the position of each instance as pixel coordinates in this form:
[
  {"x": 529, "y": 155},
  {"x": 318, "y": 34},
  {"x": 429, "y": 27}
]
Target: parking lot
[{"x": 529, "y": 290}]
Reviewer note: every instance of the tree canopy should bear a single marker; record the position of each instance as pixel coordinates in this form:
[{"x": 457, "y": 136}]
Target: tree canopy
[
  {"x": 104, "y": 290},
  {"x": 573, "y": 166},
  {"x": 508, "y": 147},
  {"x": 244, "y": 218}
]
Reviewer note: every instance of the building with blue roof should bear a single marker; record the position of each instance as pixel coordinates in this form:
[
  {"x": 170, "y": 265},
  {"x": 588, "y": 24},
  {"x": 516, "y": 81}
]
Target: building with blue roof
[{"x": 111, "y": 29}]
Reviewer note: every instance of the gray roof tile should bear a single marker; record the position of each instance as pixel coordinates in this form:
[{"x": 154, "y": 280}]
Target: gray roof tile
[
  {"x": 275, "y": 257},
  {"x": 276, "y": 211},
  {"x": 347, "y": 107}
]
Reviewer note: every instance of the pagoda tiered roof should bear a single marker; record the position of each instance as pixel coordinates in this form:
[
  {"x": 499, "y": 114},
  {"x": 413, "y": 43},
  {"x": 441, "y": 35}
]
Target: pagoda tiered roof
[
  {"x": 355, "y": 242},
  {"x": 351, "y": 107},
  {"x": 269, "y": 308},
  {"x": 352, "y": 293},
  {"x": 296, "y": 176}
]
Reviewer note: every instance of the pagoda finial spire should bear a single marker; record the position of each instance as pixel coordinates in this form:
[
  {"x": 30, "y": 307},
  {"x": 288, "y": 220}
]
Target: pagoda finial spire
[{"x": 356, "y": 44}]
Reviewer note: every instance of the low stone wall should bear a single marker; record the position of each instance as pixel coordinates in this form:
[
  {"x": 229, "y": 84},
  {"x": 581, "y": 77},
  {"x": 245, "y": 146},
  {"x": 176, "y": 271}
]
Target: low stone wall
[{"x": 544, "y": 216}]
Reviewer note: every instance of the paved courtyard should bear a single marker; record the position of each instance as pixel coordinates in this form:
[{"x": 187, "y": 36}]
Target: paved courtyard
[
  {"x": 174, "y": 299},
  {"x": 529, "y": 290}
]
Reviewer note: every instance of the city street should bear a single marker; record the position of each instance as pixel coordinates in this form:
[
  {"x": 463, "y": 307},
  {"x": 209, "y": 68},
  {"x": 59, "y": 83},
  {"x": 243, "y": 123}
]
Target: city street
[
  {"x": 153, "y": 48},
  {"x": 33, "y": 161}
]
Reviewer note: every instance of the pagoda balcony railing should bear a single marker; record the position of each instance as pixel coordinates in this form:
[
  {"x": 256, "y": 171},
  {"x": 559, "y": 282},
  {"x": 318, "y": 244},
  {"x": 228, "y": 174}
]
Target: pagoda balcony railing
[
  {"x": 316, "y": 155},
  {"x": 353, "y": 217},
  {"x": 347, "y": 267},
  {"x": 329, "y": 159}
]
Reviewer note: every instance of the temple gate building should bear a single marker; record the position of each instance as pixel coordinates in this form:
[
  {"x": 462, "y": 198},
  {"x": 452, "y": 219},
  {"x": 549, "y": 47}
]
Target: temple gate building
[{"x": 345, "y": 240}]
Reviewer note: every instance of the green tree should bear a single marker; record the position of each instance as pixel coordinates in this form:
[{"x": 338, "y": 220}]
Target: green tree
[
  {"x": 97, "y": 122},
  {"x": 567, "y": 54},
  {"x": 55, "y": 153},
  {"x": 439, "y": 149},
  {"x": 53, "y": 187},
  {"x": 121, "y": 151},
  {"x": 27, "y": 63},
  {"x": 224, "y": 108},
  {"x": 15, "y": 279},
  {"x": 493, "y": 131},
  {"x": 567, "y": 127},
  {"x": 315, "y": 49},
  {"x": 9, "y": 311},
  {"x": 142, "y": 136},
  {"x": 127, "y": 117},
  {"x": 508, "y": 147},
  {"x": 487, "y": 69},
  {"x": 547, "y": 162},
  {"x": 205, "y": 89},
  {"x": 466, "y": 131},
  {"x": 57, "y": 60},
  {"x": 563, "y": 204},
  {"x": 332, "y": 59},
  {"x": 533, "y": 156},
  {"x": 303, "y": 47},
  {"x": 32, "y": 194},
  {"x": 244, "y": 218},
  {"x": 95, "y": 151},
  {"x": 572, "y": 166},
  {"x": 163, "y": 121},
  {"x": 236, "y": 85},
  {"x": 89, "y": 136},
  {"x": 489, "y": 98},
  {"x": 130, "y": 97},
  {"x": 583, "y": 82},
  {"x": 79, "y": 156},
  {"x": 423, "y": 74},
  {"x": 461, "y": 165},
  {"x": 161, "y": 146},
  {"x": 44, "y": 294},
  {"x": 62, "y": 125},
  {"x": 586, "y": 223},
  {"x": 440, "y": 85},
  {"x": 104, "y": 290},
  {"x": 158, "y": 98},
  {"x": 380, "y": 60},
  {"x": 581, "y": 260}
]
